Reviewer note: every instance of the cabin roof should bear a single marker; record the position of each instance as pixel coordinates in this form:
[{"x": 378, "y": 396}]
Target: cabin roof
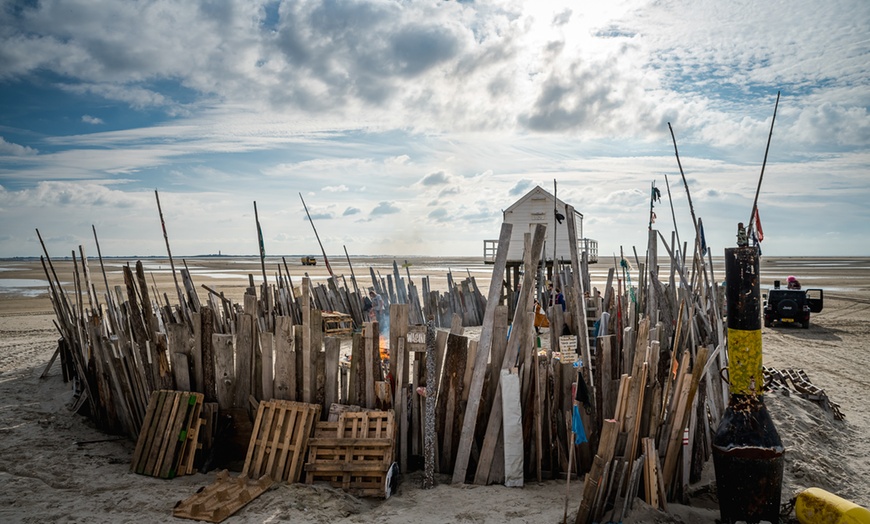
[{"x": 538, "y": 192}]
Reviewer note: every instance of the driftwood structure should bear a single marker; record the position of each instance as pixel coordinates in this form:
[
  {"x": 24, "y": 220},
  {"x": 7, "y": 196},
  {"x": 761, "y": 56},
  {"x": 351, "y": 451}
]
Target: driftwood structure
[{"x": 644, "y": 352}]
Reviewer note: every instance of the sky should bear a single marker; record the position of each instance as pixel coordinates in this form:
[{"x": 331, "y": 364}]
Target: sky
[{"x": 409, "y": 126}]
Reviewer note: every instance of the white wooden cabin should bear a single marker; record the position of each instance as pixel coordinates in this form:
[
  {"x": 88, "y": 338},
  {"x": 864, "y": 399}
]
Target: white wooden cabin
[{"x": 539, "y": 206}]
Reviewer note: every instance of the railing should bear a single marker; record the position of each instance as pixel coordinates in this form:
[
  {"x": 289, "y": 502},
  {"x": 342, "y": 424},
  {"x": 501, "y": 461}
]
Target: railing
[{"x": 490, "y": 247}]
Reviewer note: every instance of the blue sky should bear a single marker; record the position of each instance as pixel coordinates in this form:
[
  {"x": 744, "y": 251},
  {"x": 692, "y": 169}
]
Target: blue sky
[{"x": 409, "y": 126}]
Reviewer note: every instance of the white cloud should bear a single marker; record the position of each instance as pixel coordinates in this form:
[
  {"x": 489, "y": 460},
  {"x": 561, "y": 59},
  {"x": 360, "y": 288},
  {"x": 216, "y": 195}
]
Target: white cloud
[
  {"x": 88, "y": 119},
  {"x": 8, "y": 148}
]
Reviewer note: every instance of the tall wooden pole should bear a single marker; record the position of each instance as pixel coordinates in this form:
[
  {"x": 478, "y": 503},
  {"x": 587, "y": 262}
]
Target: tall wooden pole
[
  {"x": 171, "y": 262},
  {"x": 325, "y": 260}
]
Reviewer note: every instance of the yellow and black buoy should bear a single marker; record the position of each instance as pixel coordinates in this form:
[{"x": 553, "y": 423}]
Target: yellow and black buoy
[
  {"x": 817, "y": 506},
  {"x": 748, "y": 455}
]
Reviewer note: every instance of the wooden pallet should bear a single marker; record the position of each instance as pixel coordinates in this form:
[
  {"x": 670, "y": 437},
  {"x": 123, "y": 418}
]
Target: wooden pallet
[
  {"x": 776, "y": 380},
  {"x": 169, "y": 438},
  {"x": 355, "y": 453},
  {"x": 337, "y": 323},
  {"x": 218, "y": 501},
  {"x": 279, "y": 440}
]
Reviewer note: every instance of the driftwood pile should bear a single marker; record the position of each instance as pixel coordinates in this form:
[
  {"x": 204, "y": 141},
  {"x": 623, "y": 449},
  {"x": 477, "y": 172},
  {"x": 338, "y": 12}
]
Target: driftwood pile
[{"x": 494, "y": 410}]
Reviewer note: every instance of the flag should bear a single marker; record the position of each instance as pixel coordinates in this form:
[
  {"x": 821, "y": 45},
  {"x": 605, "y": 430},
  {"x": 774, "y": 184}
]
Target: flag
[
  {"x": 758, "y": 226},
  {"x": 577, "y": 426},
  {"x": 260, "y": 238},
  {"x": 703, "y": 238}
]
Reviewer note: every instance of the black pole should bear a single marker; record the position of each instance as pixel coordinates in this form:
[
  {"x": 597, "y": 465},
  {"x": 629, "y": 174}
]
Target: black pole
[
  {"x": 748, "y": 454},
  {"x": 763, "y": 164}
]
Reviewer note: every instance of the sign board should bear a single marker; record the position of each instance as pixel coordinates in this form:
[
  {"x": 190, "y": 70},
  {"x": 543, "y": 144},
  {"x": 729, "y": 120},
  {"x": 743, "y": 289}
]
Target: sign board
[
  {"x": 568, "y": 343},
  {"x": 416, "y": 338}
]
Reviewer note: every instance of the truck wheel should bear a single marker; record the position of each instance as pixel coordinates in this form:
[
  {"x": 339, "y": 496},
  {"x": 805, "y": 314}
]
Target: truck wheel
[
  {"x": 806, "y": 325},
  {"x": 767, "y": 322}
]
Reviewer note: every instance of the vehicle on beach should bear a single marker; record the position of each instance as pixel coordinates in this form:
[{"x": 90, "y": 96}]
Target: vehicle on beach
[
  {"x": 309, "y": 261},
  {"x": 788, "y": 306}
]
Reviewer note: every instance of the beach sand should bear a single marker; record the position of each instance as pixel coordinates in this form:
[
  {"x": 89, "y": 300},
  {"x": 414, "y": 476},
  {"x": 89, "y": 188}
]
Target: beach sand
[{"x": 55, "y": 467}]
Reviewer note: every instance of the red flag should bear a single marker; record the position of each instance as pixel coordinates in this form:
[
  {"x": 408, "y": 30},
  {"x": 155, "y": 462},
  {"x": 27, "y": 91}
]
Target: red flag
[{"x": 759, "y": 231}]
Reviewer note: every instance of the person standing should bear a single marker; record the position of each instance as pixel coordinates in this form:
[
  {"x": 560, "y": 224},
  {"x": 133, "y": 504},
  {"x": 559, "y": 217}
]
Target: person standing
[{"x": 377, "y": 312}]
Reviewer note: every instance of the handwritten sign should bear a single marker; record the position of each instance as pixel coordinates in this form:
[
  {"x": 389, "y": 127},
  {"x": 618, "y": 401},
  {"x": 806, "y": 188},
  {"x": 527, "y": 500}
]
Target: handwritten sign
[
  {"x": 568, "y": 343},
  {"x": 416, "y": 338}
]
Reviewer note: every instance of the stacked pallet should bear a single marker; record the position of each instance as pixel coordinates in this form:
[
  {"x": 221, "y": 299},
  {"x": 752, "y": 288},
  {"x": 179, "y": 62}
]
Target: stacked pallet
[
  {"x": 170, "y": 435},
  {"x": 355, "y": 453}
]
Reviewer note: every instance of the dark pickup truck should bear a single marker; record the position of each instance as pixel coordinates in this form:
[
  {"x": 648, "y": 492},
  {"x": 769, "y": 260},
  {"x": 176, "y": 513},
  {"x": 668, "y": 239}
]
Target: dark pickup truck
[{"x": 787, "y": 306}]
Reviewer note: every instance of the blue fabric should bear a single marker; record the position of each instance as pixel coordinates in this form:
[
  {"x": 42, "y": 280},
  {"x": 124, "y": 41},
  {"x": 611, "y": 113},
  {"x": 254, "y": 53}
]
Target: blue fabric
[{"x": 577, "y": 427}]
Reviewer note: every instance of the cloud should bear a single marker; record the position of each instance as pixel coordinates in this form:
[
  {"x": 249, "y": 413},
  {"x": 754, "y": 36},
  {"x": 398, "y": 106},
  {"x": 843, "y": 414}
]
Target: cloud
[
  {"x": 439, "y": 215},
  {"x": 449, "y": 191},
  {"x": 10, "y": 149},
  {"x": 88, "y": 119},
  {"x": 336, "y": 189},
  {"x": 351, "y": 211},
  {"x": 319, "y": 216},
  {"x": 521, "y": 187},
  {"x": 435, "y": 179},
  {"x": 562, "y": 17},
  {"x": 385, "y": 208}
]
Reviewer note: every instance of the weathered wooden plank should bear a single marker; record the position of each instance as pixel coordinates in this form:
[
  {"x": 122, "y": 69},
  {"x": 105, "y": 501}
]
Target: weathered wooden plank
[
  {"x": 267, "y": 349},
  {"x": 225, "y": 383},
  {"x": 208, "y": 367},
  {"x": 333, "y": 349},
  {"x": 400, "y": 403},
  {"x": 449, "y": 406},
  {"x": 244, "y": 360},
  {"x": 284, "y": 383},
  {"x": 307, "y": 357},
  {"x": 371, "y": 344}
]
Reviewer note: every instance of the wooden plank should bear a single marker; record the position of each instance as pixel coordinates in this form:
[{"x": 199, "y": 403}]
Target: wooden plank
[
  {"x": 244, "y": 360},
  {"x": 635, "y": 431},
  {"x": 307, "y": 357},
  {"x": 225, "y": 383},
  {"x": 155, "y": 405},
  {"x": 333, "y": 349},
  {"x": 400, "y": 401},
  {"x": 181, "y": 368},
  {"x": 170, "y": 405},
  {"x": 449, "y": 410},
  {"x": 675, "y": 440},
  {"x": 317, "y": 356},
  {"x": 208, "y": 367},
  {"x": 195, "y": 356},
  {"x": 174, "y": 436},
  {"x": 371, "y": 341},
  {"x": 191, "y": 444},
  {"x": 284, "y": 383},
  {"x": 267, "y": 344}
]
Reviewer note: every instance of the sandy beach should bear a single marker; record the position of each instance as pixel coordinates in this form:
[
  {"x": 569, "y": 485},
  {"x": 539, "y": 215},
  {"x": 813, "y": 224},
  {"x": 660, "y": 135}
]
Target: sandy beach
[{"x": 55, "y": 467}]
